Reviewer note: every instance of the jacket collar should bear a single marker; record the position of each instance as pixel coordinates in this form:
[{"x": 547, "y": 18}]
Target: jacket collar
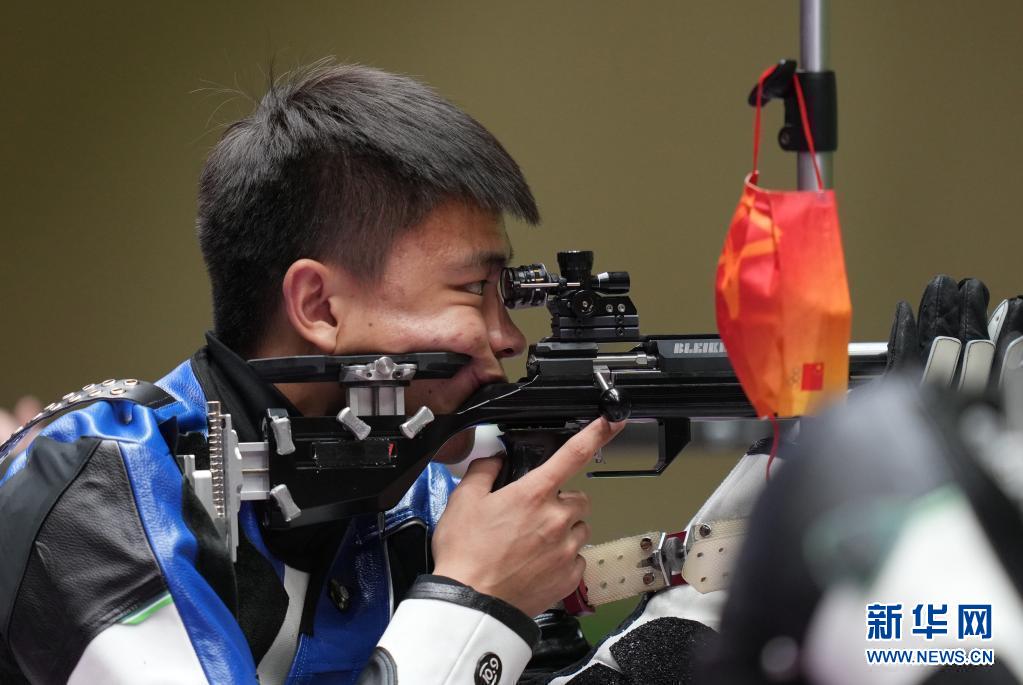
[
  {"x": 227, "y": 377},
  {"x": 245, "y": 395}
]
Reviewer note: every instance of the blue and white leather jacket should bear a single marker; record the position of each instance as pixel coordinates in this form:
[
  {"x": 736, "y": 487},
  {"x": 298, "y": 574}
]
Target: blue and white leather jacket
[{"x": 112, "y": 571}]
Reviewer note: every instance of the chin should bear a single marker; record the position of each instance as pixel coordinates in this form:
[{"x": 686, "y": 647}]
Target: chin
[{"x": 443, "y": 396}]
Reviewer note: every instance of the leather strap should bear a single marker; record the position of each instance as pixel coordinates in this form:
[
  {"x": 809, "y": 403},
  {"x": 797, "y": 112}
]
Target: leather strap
[{"x": 116, "y": 390}]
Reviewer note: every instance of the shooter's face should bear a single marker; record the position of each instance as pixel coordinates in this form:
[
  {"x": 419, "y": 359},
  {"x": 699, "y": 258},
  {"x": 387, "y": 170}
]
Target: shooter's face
[{"x": 439, "y": 292}]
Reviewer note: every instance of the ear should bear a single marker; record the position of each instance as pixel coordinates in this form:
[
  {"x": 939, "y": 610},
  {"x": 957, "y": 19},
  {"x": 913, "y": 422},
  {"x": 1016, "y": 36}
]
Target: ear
[{"x": 311, "y": 303}]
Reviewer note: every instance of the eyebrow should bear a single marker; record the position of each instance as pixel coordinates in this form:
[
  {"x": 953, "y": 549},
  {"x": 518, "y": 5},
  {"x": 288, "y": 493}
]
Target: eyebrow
[{"x": 488, "y": 258}]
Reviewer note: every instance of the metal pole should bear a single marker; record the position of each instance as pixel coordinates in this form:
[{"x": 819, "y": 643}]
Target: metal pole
[{"x": 813, "y": 56}]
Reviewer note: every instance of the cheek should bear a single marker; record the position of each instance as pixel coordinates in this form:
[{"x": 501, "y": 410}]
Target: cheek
[
  {"x": 457, "y": 332},
  {"x": 434, "y": 394},
  {"x": 443, "y": 396},
  {"x": 459, "y": 329}
]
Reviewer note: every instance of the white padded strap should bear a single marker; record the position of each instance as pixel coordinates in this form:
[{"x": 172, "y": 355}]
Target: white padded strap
[
  {"x": 712, "y": 554},
  {"x": 620, "y": 568}
]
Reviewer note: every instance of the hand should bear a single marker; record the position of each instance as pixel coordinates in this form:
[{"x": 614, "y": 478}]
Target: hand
[
  {"x": 521, "y": 543},
  {"x": 24, "y": 410}
]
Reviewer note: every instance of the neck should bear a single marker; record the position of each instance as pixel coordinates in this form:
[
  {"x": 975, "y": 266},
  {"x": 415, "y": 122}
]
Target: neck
[{"x": 312, "y": 399}]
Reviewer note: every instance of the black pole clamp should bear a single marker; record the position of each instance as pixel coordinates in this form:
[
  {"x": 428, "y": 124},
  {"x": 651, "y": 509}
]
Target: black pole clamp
[{"x": 821, "y": 95}]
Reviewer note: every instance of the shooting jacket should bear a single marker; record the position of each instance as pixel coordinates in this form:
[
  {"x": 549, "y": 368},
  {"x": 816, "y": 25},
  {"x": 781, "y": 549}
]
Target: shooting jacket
[{"x": 112, "y": 571}]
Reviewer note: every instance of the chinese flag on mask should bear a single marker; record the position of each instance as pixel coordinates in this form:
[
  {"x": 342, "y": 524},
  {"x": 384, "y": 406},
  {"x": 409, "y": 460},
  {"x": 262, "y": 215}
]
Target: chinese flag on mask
[{"x": 783, "y": 307}]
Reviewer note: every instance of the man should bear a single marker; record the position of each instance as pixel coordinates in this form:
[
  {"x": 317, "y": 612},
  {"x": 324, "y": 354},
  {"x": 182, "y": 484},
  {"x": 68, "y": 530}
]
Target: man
[{"x": 353, "y": 211}]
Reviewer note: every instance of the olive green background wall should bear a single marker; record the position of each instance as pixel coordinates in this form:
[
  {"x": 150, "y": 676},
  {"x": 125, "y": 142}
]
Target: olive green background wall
[{"x": 627, "y": 118}]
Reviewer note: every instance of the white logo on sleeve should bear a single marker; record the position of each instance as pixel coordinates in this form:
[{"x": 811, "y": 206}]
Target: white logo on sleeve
[{"x": 488, "y": 669}]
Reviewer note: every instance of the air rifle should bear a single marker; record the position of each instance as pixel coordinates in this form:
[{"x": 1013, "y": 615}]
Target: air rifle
[{"x": 364, "y": 459}]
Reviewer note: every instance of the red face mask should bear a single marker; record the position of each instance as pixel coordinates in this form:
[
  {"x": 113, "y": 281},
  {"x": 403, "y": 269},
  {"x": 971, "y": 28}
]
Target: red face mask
[{"x": 783, "y": 308}]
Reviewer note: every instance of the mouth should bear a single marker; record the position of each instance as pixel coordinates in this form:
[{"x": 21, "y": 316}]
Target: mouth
[
  {"x": 474, "y": 380},
  {"x": 487, "y": 378},
  {"x": 446, "y": 396}
]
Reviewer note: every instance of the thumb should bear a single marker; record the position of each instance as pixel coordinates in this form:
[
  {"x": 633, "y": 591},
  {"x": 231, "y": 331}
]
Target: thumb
[{"x": 480, "y": 476}]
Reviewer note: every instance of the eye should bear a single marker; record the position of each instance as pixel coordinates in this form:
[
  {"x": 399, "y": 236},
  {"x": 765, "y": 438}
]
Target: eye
[{"x": 476, "y": 288}]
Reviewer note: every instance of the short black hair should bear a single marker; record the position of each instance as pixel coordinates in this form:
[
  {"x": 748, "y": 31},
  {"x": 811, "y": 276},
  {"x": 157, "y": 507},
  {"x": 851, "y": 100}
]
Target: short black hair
[{"x": 336, "y": 162}]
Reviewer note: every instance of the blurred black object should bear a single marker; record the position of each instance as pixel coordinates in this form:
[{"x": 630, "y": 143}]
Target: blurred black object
[{"x": 865, "y": 465}]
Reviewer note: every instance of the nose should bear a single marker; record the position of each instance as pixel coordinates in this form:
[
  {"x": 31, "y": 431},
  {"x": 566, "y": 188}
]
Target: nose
[{"x": 506, "y": 340}]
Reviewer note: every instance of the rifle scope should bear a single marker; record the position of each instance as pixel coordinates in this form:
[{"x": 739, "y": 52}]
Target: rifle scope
[{"x": 530, "y": 285}]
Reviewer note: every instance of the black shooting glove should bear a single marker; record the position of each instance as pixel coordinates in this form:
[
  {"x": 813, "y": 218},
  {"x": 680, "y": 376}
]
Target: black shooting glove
[
  {"x": 973, "y": 301},
  {"x": 561, "y": 644},
  {"x": 910, "y": 340},
  {"x": 947, "y": 309}
]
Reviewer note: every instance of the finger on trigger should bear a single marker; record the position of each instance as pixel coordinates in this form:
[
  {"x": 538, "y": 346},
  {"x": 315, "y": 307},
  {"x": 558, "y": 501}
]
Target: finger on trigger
[{"x": 574, "y": 454}]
